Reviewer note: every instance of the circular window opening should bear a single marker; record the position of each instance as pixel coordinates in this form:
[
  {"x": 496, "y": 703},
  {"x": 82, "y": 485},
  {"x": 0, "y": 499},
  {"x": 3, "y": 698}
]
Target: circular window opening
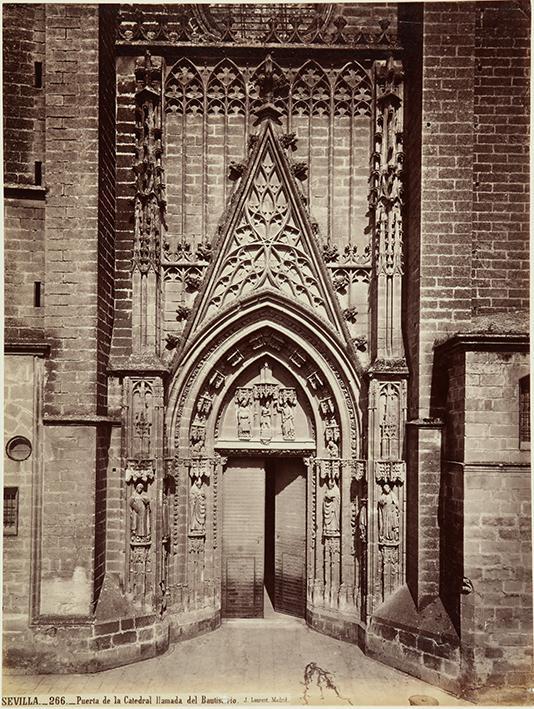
[{"x": 19, "y": 448}]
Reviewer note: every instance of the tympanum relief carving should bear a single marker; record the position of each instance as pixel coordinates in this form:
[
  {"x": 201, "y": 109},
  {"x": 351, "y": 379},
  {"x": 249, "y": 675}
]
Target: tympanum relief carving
[{"x": 265, "y": 409}]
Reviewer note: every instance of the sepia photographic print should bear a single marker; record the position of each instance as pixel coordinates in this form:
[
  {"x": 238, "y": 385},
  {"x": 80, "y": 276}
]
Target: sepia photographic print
[{"x": 267, "y": 394}]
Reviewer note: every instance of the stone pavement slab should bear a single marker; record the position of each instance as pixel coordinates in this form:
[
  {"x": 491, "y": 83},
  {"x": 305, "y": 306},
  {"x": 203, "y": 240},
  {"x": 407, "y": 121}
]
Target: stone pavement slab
[{"x": 277, "y": 660}]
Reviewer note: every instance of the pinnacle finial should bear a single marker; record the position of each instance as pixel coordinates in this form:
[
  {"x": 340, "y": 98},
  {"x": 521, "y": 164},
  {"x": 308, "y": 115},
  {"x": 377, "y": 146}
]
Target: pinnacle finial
[{"x": 271, "y": 84}]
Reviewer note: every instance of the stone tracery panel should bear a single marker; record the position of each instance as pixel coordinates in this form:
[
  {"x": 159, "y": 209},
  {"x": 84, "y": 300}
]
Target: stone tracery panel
[
  {"x": 229, "y": 93},
  {"x": 267, "y": 248},
  {"x": 211, "y": 110}
]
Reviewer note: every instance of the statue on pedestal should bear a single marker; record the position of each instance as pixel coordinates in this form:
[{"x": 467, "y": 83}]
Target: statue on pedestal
[{"x": 140, "y": 515}]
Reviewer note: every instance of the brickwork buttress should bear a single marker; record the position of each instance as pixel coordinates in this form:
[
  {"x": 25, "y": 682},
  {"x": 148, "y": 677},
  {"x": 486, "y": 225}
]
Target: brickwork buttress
[{"x": 500, "y": 263}]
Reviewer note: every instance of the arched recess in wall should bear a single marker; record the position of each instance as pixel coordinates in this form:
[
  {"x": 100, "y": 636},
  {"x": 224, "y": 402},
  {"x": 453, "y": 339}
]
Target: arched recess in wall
[{"x": 275, "y": 327}]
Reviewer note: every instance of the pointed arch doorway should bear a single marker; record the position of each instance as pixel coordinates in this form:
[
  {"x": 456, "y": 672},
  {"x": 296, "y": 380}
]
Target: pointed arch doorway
[
  {"x": 264, "y": 536},
  {"x": 264, "y": 431}
]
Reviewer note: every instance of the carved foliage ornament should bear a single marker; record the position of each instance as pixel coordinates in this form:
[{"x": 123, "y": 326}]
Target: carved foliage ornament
[{"x": 150, "y": 200}]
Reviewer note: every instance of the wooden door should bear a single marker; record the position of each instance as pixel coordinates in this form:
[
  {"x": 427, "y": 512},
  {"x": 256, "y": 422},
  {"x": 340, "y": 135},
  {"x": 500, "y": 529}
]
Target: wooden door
[
  {"x": 290, "y": 537},
  {"x": 243, "y": 538}
]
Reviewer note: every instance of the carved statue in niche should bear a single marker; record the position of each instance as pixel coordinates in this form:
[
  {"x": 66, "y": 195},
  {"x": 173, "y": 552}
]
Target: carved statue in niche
[
  {"x": 165, "y": 519},
  {"x": 243, "y": 414},
  {"x": 243, "y": 421},
  {"x": 288, "y": 424},
  {"x": 198, "y": 434},
  {"x": 285, "y": 403},
  {"x": 331, "y": 508},
  {"x": 197, "y": 508},
  {"x": 362, "y": 521},
  {"x": 353, "y": 522},
  {"x": 265, "y": 423},
  {"x": 140, "y": 515},
  {"x": 332, "y": 437},
  {"x": 389, "y": 423},
  {"x": 333, "y": 449},
  {"x": 388, "y": 517}
]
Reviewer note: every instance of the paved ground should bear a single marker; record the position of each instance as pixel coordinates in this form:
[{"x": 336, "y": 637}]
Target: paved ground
[{"x": 249, "y": 661}]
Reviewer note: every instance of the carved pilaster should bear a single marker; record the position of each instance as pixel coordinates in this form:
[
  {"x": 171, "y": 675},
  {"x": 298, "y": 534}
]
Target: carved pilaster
[
  {"x": 203, "y": 519},
  {"x": 387, "y": 416},
  {"x": 149, "y": 204},
  {"x": 386, "y": 201},
  {"x": 334, "y": 575},
  {"x": 142, "y": 447}
]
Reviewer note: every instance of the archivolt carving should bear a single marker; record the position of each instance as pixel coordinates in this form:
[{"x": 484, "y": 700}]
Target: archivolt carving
[
  {"x": 265, "y": 409},
  {"x": 294, "y": 356}
]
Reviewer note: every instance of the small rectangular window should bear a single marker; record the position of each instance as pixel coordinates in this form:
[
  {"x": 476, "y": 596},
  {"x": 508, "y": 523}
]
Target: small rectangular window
[
  {"x": 37, "y": 294},
  {"x": 524, "y": 412},
  {"x": 11, "y": 510},
  {"x": 38, "y": 172},
  {"x": 38, "y": 75}
]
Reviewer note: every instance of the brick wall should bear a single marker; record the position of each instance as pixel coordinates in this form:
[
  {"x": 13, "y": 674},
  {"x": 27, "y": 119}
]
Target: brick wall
[
  {"x": 125, "y": 192},
  {"x": 411, "y": 36},
  {"x": 68, "y": 507},
  {"x": 23, "y": 267},
  {"x": 501, "y": 158},
  {"x": 492, "y": 407},
  {"x": 485, "y": 537},
  {"x": 23, "y": 35},
  {"x": 441, "y": 256},
  {"x": 102, "y": 463},
  {"x": 71, "y": 291},
  {"x": 468, "y": 254},
  {"x": 497, "y": 615},
  {"x": 24, "y": 45},
  {"x": 451, "y": 520}
]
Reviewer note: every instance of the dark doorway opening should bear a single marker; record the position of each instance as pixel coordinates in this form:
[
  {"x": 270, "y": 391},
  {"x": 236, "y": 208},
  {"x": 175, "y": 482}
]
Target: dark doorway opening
[
  {"x": 285, "y": 536},
  {"x": 270, "y": 488},
  {"x": 264, "y": 537}
]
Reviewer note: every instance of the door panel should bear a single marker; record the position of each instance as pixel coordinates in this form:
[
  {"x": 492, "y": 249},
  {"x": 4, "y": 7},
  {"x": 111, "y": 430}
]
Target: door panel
[
  {"x": 243, "y": 538},
  {"x": 290, "y": 537}
]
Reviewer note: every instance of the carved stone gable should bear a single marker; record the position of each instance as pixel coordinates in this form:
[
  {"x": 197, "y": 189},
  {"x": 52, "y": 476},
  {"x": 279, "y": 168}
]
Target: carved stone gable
[{"x": 266, "y": 242}]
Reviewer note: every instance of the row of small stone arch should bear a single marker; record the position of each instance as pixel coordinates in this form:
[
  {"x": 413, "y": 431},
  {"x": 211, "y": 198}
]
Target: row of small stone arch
[{"x": 311, "y": 89}]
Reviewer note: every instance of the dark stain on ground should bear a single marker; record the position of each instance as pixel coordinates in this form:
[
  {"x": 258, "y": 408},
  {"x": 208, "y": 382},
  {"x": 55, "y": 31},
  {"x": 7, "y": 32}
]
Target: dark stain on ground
[{"x": 323, "y": 679}]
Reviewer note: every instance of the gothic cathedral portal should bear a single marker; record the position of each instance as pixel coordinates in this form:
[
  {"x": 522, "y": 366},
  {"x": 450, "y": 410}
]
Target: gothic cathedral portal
[
  {"x": 266, "y": 301},
  {"x": 266, "y": 333}
]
